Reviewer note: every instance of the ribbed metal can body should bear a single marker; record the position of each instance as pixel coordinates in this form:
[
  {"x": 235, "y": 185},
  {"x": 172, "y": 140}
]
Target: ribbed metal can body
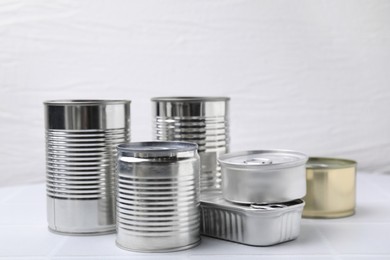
[
  {"x": 158, "y": 196},
  {"x": 81, "y": 136},
  {"x": 201, "y": 120}
]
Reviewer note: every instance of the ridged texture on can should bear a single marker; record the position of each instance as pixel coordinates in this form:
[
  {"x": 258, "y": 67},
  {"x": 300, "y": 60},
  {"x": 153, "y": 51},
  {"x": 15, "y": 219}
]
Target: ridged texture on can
[
  {"x": 80, "y": 163},
  {"x": 204, "y": 122},
  {"x": 222, "y": 224},
  {"x": 158, "y": 204}
]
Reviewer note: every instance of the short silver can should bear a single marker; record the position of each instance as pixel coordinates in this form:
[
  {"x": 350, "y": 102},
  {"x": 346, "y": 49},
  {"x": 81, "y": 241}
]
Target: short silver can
[
  {"x": 253, "y": 224},
  {"x": 158, "y": 196},
  {"x": 263, "y": 176},
  {"x": 200, "y": 120},
  {"x": 81, "y": 139}
]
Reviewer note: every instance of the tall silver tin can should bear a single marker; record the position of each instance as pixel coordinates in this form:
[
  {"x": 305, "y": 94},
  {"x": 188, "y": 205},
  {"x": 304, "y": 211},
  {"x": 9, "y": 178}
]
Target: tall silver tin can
[
  {"x": 81, "y": 136},
  {"x": 201, "y": 120},
  {"x": 158, "y": 207}
]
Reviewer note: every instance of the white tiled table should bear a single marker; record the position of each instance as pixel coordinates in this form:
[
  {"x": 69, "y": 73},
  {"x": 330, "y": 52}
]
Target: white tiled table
[{"x": 366, "y": 235}]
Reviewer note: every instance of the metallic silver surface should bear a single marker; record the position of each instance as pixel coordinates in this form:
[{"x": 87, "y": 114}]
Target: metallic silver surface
[
  {"x": 264, "y": 176},
  {"x": 158, "y": 196},
  {"x": 81, "y": 136},
  {"x": 202, "y": 120},
  {"x": 255, "y": 225}
]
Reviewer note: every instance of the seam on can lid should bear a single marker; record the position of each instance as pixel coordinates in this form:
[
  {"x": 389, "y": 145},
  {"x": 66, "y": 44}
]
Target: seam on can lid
[
  {"x": 72, "y": 102},
  {"x": 262, "y": 164},
  {"x": 189, "y": 99},
  {"x": 326, "y": 163},
  {"x": 156, "y": 148},
  {"x": 216, "y": 201}
]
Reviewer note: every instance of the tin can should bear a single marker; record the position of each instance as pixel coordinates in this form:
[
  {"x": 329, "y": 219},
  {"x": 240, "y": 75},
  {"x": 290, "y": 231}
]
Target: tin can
[
  {"x": 263, "y": 176},
  {"x": 201, "y": 120},
  {"x": 158, "y": 196},
  {"x": 254, "y": 224},
  {"x": 81, "y": 136},
  {"x": 331, "y": 188}
]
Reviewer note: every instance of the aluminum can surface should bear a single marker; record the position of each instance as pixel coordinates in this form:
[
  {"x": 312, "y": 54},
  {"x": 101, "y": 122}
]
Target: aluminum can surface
[
  {"x": 201, "y": 120},
  {"x": 81, "y": 136},
  {"x": 331, "y": 188},
  {"x": 263, "y": 176},
  {"x": 253, "y": 224},
  {"x": 158, "y": 196}
]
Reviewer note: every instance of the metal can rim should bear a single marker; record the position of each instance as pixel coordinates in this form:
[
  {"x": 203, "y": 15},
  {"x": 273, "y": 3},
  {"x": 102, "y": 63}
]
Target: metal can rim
[
  {"x": 156, "y": 148},
  {"x": 190, "y": 99},
  {"x": 343, "y": 163},
  {"x": 85, "y": 102},
  {"x": 223, "y": 160}
]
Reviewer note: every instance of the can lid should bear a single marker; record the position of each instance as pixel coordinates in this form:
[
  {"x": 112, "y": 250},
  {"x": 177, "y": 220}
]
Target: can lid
[
  {"x": 189, "y": 99},
  {"x": 155, "y": 149},
  {"x": 329, "y": 163},
  {"x": 263, "y": 159},
  {"x": 84, "y": 102}
]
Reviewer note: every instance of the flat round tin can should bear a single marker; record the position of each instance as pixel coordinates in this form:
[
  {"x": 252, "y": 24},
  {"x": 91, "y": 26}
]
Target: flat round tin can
[
  {"x": 263, "y": 176},
  {"x": 331, "y": 188}
]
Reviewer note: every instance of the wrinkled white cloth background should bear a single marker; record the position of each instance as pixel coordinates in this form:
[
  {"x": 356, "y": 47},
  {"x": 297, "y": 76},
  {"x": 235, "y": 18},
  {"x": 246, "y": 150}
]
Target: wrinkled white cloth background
[{"x": 313, "y": 76}]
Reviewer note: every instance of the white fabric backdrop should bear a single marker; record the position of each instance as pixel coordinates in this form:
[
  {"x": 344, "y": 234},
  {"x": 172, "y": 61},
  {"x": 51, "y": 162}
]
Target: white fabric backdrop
[{"x": 307, "y": 75}]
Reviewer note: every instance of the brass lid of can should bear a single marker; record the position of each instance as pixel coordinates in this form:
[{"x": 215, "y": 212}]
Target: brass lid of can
[
  {"x": 263, "y": 159},
  {"x": 157, "y": 149},
  {"x": 329, "y": 163}
]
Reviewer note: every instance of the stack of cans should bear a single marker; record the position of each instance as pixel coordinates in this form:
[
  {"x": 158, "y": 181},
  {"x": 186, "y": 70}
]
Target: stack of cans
[
  {"x": 160, "y": 196},
  {"x": 260, "y": 203}
]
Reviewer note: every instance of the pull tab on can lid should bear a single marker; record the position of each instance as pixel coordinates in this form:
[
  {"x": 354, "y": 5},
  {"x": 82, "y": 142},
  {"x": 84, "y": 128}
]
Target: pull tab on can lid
[
  {"x": 267, "y": 206},
  {"x": 258, "y": 161},
  {"x": 263, "y": 159}
]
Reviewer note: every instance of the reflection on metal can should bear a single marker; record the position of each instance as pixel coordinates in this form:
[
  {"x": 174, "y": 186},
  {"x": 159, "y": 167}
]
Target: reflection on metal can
[
  {"x": 263, "y": 176},
  {"x": 81, "y": 136},
  {"x": 331, "y": 188},
  {"x": 201, "y": 120},
  {"x": 158, "y": 196}
]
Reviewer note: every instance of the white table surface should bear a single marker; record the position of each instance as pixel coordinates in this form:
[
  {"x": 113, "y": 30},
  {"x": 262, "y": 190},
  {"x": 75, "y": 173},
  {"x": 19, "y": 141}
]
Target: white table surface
[{"x": 366, "y": 235}]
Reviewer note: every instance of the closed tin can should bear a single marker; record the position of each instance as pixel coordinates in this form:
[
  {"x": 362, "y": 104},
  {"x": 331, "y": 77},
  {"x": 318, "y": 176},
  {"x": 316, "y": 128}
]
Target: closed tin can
[
  {"x": 263, "y": 176},
  {"x": 81, "y": 136},
  {"x": 331, "y": 188},
  {"x": 201, "y": 120},
  {"x": 253, "y": 224},
  {"x": 158, "y": 196}
]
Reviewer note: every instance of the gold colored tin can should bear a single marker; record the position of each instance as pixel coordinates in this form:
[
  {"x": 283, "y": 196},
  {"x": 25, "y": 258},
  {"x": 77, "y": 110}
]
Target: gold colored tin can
[{"x": 331, "y": 188}]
